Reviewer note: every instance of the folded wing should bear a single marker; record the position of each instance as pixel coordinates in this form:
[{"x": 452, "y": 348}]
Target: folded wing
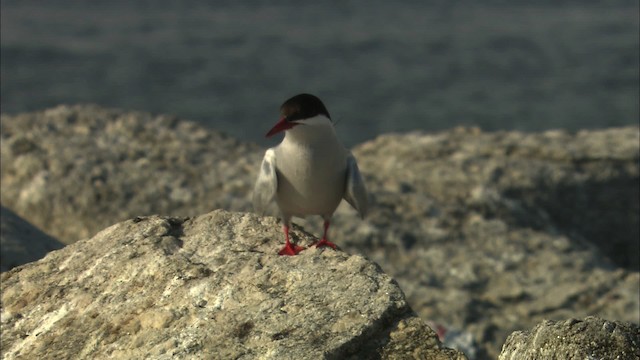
[
  {"x": 355, "y": 191},
  {"x": 266, "y": 184}
]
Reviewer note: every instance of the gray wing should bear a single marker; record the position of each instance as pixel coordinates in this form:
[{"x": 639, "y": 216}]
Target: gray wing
[
  {"x": 355, "y": 192},
  {"x": 266, "y": 184}
]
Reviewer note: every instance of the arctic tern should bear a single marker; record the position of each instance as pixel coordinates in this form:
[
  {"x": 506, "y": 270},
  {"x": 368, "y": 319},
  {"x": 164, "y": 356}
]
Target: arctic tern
[{"x": 310, "y": 171}]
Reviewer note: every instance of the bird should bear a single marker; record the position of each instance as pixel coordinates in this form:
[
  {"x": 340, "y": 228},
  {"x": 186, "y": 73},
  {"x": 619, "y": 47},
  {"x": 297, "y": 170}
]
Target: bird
[{"x": 310, "y": 171}]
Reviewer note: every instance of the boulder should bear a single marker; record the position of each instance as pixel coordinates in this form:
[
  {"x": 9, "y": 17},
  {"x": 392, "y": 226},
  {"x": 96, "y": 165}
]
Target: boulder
[
  {"x": 211, "y": 286},
  {"x": 73, "y": 170},
  {"x": 583, "y": 185},
  {"x": 486, "y": 232},
  {"x": 590, "y": 338},
  {"x": 22, "y": 242},
  {"x": 507, "y": 228}
]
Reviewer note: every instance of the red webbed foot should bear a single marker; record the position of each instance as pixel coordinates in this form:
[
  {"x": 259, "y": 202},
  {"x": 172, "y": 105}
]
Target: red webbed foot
[
  {"x": 290, "y": 249},
  {"x": 325, "y": 242}
]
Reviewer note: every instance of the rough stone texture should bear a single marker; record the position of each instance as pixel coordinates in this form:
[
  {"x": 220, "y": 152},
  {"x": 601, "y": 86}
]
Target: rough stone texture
[
  {"x": 207, "y": 287},
  {"x": 73, "y": 170},
  {"x": 554, "y": 181},
  {"x": 486, "y": 233},
  {"x": 591, "y": 338},
  {"x": 22, "y": 242},
  {"x": 506, "y": 228}
]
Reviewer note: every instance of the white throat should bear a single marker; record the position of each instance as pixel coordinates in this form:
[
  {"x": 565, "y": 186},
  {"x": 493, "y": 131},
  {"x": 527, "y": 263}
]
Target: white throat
[{"x": 316, "y": 129}]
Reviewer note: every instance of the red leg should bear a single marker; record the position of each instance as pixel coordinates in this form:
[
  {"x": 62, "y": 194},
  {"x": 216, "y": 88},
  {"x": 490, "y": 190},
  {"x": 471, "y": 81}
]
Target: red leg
[
  {"x": 324, "y": 241},
  {"x": 289, "y": 248}
]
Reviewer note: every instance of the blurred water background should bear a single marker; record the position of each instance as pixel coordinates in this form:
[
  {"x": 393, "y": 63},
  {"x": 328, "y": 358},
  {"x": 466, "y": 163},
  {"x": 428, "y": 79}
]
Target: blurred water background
[{"x": 379, "y": 66}]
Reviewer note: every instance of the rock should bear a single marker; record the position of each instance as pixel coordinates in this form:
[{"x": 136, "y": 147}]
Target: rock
[
  {"x": 506, "y": 228},
  {"x": 73, "y": 170},
  {"x": 554, "y": 181},
  {"x": 207, "y": 287},
  {"x": 591, "y": 338},
  {"x": 487, "y": 233},
  {"x": 22, "y": 242}
]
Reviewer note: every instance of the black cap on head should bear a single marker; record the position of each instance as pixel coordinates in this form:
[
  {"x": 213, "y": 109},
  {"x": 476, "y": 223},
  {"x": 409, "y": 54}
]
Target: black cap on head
[{"x": 303, "y": 106}]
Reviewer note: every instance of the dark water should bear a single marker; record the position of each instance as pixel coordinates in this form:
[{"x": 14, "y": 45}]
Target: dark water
[{"x": 379, "y": 66}]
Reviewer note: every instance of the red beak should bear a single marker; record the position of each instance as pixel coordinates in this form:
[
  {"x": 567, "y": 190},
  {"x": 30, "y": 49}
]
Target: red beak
[{"x": 281, "y": 125}]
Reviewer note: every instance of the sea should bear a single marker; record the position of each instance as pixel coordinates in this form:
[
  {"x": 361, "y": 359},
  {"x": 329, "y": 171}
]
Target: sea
[{"x": 379, "y": 66}]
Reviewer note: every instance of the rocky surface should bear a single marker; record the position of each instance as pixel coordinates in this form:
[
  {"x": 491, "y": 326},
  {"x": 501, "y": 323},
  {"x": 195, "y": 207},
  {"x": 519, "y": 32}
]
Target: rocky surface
[
  {"x": 590, "y": 338},
  {"x": 22, "y": 242},
  {"x": 582, "y": 185},
  {"x": 73, "y": 170},
  {"x": 207, "y": 287},
  {"x": 486, "y": 233},
  {"x": 507, "y": 228}
]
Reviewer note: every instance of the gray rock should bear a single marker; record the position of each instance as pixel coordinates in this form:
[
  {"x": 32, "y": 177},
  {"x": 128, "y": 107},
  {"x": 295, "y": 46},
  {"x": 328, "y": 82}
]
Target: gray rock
[
  {"x": 207, "y": 287},
  {"x": 508, "y": 229},
  {"x": 22, "y": 242},
  {"x": 73, "y": 170},
  {"x": 583, "y": 185},
  {"x": 591, "y": 338},
  {"x": 485, "y": 232}
]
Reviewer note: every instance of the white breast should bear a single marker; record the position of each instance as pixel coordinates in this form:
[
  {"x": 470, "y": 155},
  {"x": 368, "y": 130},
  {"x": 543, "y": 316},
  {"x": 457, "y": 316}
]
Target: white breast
[{"x": 311, "y": 170}]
